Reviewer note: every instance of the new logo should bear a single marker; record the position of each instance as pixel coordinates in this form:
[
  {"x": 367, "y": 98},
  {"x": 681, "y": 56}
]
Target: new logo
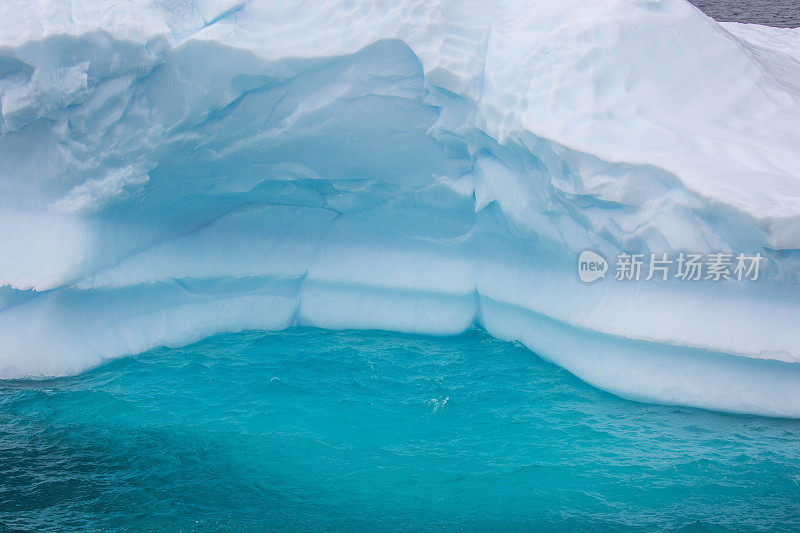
[{"x": 591, "y": 266}]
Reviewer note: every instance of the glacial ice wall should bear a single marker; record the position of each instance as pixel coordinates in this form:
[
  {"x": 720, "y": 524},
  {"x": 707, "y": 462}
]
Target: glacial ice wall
[{"x": 170, "y": 170}]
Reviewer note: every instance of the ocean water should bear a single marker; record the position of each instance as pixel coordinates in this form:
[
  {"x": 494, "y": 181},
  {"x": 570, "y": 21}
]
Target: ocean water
[
  {"x": 781, "y": 13},
  {"x": 356, "y": 431}
]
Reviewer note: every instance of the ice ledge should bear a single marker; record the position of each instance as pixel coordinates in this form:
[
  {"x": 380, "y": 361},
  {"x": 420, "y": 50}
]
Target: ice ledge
[{"x": 97, "y": 325}]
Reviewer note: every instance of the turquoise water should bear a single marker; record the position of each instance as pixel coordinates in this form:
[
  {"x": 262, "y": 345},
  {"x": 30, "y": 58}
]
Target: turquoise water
[{"x": 320, "y": 430}]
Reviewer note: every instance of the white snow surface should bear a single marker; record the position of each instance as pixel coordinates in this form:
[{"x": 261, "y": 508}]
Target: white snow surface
[{"x": 174, "y": 169}]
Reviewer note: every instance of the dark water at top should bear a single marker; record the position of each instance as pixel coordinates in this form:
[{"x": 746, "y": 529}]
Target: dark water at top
[{"x": 782, "y": 13}]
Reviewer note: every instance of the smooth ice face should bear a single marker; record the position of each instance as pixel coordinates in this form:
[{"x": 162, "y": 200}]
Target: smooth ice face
[{"x": 173, "y": 170}]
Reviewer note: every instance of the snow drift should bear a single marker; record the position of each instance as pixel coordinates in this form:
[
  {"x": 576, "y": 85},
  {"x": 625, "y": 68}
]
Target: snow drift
[{"x": 169, "y": 170}]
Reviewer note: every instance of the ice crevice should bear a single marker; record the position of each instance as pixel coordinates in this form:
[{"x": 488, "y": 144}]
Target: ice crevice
[{"x": 178, "y": 174}]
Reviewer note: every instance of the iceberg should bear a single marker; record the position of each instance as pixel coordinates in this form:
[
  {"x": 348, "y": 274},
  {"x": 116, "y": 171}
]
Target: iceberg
[{"x": 170, "y": 170}]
